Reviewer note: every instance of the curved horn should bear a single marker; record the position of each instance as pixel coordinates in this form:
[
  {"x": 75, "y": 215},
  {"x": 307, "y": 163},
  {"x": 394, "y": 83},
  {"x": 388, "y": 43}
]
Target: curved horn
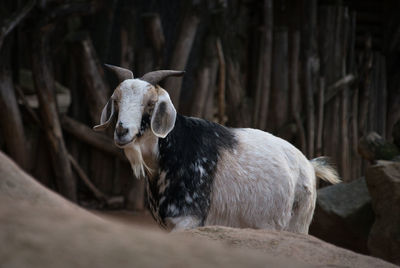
[
  {"x": 121, "y": 73},
  {"x": 156, "y": 76}
]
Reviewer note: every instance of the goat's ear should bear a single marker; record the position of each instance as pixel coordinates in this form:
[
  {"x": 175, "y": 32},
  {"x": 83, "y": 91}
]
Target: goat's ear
[
  {"x": 106, "y": 116},
  {"x": 164, "y": 115}
]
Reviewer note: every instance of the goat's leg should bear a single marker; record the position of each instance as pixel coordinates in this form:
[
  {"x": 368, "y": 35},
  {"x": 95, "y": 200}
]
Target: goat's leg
[{"x": 182, "y": 223}]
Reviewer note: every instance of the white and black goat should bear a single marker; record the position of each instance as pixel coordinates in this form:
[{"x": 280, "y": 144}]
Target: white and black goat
[{"x": 202, "y": 173}]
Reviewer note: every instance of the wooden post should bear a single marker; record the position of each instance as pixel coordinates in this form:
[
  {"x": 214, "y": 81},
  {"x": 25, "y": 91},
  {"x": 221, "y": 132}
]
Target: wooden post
[
  {"x": 154, "y": 32},
  {"x": 180, "y": 55},
  {"x": 235, "y": 95},
  {"x": 221, "y": 82},
  {"x": 365, "y": 83},
  {"x": 280, "y": 84},
  {"x": 295, "y": 93},
  {"x": 310, "y": 64},
  {"x": 205, "y": 77},
  {"x": 320, "y": 117},
  {"x": 44, "y": 84},
  {"x": 201, "y": 89},
  {"x": 10, "y": 118},
  {"x": 264, "y": 68}
]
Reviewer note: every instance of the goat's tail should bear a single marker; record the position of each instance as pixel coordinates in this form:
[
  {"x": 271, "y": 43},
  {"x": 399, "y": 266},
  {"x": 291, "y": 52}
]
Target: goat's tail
[{"x": 325, "y": 170}]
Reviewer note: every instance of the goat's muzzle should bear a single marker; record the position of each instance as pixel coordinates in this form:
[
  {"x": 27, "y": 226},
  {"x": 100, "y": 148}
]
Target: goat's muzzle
[
  {"x": 120, "y": 131},
  {"x": 122, "y": 135}
]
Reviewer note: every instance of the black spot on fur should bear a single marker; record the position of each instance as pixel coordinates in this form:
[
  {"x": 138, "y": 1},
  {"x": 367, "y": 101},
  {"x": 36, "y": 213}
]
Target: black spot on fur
[
  {"x": 188, "y": 157},
  {"x": 144, "y": 125}
]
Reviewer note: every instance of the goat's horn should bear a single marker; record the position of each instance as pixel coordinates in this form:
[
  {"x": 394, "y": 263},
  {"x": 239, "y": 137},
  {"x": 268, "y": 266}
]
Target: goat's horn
[
  {"x": 121, "y": 73},
  {"x": 156, "y": 76}
]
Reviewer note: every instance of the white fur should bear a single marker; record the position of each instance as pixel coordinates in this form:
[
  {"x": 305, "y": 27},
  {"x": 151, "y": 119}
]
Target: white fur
[
  {"x": 134, "y": 155},
  {"x": 137, "y": 152},
  {"x": 258, "y": 187},
  {"x": 181, "y": 223},
  {"x": 324, "y": 171},
  {"x": 130, "y": 106}
]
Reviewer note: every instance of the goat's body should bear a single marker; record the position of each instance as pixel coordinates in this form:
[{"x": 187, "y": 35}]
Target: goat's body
[
  {"x": 264, "y": 183},
  {"x": 211, "y": 175}
]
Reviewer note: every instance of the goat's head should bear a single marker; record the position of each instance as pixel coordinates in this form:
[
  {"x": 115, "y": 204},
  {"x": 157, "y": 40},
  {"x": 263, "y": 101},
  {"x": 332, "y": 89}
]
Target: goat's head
[{"x": 137, "y": 103}]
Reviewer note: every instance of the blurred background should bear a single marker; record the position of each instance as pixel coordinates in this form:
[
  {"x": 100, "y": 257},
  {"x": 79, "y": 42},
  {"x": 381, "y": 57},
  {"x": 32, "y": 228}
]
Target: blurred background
[{"x": 323, "y": 75}]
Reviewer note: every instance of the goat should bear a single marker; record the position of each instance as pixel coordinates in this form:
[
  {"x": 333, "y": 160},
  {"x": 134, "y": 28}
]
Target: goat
[{"x": 201, "y": 173}]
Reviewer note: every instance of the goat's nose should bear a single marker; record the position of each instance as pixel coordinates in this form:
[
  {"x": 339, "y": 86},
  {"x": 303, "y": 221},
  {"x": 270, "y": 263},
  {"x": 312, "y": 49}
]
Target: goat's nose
[{"x": 120, "y": 130}]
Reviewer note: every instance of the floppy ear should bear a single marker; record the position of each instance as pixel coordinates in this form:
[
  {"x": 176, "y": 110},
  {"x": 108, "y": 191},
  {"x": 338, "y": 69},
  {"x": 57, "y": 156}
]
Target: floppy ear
[
  {"x": 106, "y": 116},
  {"x": 164, "y": 115}
]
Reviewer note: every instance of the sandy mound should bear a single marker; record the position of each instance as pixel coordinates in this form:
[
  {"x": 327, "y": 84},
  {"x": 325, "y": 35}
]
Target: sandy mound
[{"x": 41, "y": 229}]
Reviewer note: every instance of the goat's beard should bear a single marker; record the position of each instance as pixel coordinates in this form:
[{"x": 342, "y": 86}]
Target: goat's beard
[{"x": 134, "y": 155}]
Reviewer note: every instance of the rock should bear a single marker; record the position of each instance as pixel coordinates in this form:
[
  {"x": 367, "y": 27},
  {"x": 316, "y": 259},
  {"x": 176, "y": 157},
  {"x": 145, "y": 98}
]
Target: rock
[
  {"x": 343, "y": 215},
  {"x": 298, "y": 247},
  {"x": 373, "y": 147},
  {"x": 383, "y": 180}
]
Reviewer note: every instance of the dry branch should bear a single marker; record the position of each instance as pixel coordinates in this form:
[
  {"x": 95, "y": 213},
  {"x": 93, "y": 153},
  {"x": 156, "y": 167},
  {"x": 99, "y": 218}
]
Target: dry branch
[
  {"x": 81, "y": 174},
  {"x": 87, "y": 135}
]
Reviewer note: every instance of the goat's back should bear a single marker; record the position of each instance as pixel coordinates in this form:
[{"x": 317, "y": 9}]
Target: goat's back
[{"x": 257, "y": 183}]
